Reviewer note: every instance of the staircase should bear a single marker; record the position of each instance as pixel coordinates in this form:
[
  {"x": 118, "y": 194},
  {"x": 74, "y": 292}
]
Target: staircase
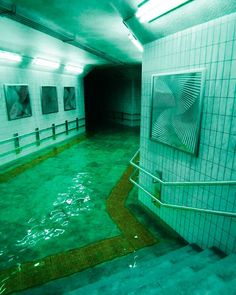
[{"x": 187, "y": 270}]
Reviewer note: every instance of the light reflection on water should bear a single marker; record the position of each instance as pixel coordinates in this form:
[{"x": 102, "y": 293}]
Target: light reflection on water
[{"x": 74, "y": 202}]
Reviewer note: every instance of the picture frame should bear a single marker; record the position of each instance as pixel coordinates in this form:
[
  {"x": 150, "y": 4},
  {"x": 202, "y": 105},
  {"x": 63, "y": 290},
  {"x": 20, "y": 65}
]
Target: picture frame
[
  {"x": 17, "y": 99},
  {"x": 49, "y": 99},
  {"x": 69, "y": 98},
  {"x": 176, "y": 109}
]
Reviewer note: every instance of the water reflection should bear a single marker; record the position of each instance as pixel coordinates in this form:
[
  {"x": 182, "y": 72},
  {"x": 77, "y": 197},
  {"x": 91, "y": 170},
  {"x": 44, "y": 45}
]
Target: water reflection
[{"x": 74, "y": 202}]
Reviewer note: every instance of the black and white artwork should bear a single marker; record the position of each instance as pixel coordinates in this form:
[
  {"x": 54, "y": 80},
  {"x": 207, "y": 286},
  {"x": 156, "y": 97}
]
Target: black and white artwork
[
  {"x": 176, "y": 109},
  {"x": 49, "y": 99},
  {"x": 17, "y": 101},
  {"x": 69, "y": 98}
]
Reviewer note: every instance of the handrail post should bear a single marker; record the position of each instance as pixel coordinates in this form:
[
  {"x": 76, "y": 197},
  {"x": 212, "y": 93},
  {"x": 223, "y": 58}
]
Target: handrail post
[
  {"x": 37, "y": 136},
  {"x": 16, "y": 143},
  {"x": 67, "y": 127},
  {"x": 53, "y": 131},
  {"x": 77, "y": 124}
]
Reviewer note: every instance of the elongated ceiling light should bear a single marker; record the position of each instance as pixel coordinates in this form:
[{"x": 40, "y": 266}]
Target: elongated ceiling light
[
  {"x": 8, "y": 56},
  {"x": 135, "y": 42},
  {"x": 46, "y": 63},
  {"x": 73, "y": 69},
  {"x": 153, "y": 9}
]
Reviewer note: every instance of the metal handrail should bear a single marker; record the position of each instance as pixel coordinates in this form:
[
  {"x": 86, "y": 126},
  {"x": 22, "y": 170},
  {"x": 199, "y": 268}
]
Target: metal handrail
[
  {"x": 6, "y": 140},
  {"x": 181, "y": 183},
  {"x": 36, "y": 133},
  {"x": 33, "y": 132},
  {"x": 26, "y": 134},
  {"x": 46, "y": 129},
  {"x": 181, "y": 207},
  {"x": 123, "y": 116}
]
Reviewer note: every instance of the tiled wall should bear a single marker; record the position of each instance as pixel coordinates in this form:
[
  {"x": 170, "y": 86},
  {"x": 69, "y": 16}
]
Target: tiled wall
[
  {"x": 34, "y": 80},
  {"x": 212, "y": 46}
]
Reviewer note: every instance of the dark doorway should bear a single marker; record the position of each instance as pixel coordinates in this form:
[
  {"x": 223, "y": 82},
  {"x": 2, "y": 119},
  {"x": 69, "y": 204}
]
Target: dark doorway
[{"x": 112, "y": 96}]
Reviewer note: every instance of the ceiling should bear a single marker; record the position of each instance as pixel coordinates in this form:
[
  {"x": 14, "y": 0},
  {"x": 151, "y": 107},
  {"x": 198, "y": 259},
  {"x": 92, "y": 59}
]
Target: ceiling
[{"x": 93, "y": 31}]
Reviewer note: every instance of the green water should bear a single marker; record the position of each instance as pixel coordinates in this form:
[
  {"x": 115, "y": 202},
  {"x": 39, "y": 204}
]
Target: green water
[{"x": 60, "y": 204}]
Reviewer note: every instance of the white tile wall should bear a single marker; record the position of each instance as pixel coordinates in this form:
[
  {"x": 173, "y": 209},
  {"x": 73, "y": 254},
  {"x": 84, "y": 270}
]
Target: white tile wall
[
  {"x": 36, "y": 79},
  {"x": 211, "y": 45}
]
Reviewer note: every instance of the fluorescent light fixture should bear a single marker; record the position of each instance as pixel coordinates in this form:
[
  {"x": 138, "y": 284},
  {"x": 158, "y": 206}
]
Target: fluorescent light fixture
[
  {"x": 46, "y": 63},
  {"x": 8, "y": 56},
  {"x": 153, "y": 9},
  {"x": 135, "y": 42},
  {"x": 74, "y": 69}
]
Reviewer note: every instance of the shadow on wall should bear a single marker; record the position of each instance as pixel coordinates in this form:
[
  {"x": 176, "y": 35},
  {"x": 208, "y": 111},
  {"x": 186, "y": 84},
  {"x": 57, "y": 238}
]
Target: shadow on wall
[{"x": 113, "y": 95}]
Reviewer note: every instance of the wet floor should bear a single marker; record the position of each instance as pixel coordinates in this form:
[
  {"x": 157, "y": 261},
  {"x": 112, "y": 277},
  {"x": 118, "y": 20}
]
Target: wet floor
[{"x": 59, "y": 204}]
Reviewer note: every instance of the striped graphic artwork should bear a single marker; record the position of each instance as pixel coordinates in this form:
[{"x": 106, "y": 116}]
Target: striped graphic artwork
[{"x": 176, "y": 109}]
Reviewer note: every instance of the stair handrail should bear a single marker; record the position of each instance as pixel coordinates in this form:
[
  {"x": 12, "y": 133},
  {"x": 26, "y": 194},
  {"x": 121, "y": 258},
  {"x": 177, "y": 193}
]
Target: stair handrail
[
  {"x": 173, "y": 206},
  {"x": 180, "y": 183}
]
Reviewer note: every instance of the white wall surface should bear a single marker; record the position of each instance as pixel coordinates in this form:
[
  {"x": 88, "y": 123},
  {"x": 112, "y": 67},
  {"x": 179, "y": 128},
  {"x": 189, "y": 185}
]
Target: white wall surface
[
  {"x": 212, "y": 46},
  {"x": 35, "y": 79}
]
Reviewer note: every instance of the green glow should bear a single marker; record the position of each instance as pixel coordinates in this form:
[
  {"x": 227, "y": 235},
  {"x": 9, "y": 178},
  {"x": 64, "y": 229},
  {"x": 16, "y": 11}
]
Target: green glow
[{"x": 60, "y": 204}]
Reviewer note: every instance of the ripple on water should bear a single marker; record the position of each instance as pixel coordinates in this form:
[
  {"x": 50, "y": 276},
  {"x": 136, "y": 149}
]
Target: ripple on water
[{"x": 74, "y": 202}]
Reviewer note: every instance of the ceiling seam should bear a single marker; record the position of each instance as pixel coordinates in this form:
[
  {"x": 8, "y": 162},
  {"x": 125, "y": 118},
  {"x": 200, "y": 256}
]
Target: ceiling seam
[{"x": 12, "y": 14}]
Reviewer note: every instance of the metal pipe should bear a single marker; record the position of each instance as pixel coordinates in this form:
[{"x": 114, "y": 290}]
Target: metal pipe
[
  {"x": 181, "y": 183},
  {"x": 16, "y": 143},
  {"x": 45, "y": 129},
  {"x": 37, "y": 136},
  {"x": 167, "y": 205},
  {"x": 67, "y": 127},
  {"x": 36, "y": 133},
  {"x": 53, "y": 131},
  {"x": 26, "y": 134},
  {"x": 6, "y": 140}
]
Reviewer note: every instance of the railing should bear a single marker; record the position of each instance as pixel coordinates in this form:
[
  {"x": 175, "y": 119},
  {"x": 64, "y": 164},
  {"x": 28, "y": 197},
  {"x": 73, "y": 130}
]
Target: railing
[
  {"x": 123, "y": 116},
  {"x": 38, "y": 139},
  {"x": 178, "y": 183}
]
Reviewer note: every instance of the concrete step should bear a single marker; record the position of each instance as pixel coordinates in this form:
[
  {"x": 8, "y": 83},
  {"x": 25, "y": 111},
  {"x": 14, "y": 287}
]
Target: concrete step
[
  {"x": 161, "y": 264},
  {"x": 183, "y": 269},
  {"x": 224, "y": 269}
]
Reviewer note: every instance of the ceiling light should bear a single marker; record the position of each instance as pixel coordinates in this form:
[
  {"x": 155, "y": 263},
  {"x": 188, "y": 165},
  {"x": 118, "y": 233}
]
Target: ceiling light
[
  {"x": 153, "y": 9},
  {"x": 8, "y": 56},
  {"x": 135, "y": 42},
  {"x": 46, "y": 63},
  {"x": 74, "y": 69}
]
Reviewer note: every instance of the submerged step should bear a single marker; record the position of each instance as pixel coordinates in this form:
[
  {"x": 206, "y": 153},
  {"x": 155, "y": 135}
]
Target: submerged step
[
  {"x": 162, "y": 265},
  {"x": 219, "y": 268},
  {"x": 182, "y": 269}
]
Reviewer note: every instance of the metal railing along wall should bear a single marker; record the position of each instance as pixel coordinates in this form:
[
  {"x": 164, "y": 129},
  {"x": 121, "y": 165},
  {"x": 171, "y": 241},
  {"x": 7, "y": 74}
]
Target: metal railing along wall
[
  {"x": 123, "y": 116},
  {"x": 37, "y": 135},
  {"x": 179, "y": 183}
]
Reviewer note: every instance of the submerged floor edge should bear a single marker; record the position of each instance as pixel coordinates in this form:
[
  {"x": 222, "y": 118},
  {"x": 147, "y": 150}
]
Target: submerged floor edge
[
  {"x": 49, "y": 153},
  {"x": 133, "y": 237}
]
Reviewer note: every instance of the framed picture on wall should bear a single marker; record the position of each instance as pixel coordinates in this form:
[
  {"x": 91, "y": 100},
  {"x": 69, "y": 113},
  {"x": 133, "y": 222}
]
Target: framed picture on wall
[
  {"x": 49, "y": 99},
  {"x": 176, "y": 109},
  {"x": 69, "y": 98},
  {"x": 17, "y": 101}
]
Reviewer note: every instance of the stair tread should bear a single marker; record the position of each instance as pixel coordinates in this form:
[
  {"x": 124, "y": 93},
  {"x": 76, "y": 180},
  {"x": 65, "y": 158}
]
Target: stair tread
[
  {"x": 217, "y": 269},
  {"x": 163, "y": 260},
  {"x": 182, "y": 271},
  {"x": 184, "y": 268}
]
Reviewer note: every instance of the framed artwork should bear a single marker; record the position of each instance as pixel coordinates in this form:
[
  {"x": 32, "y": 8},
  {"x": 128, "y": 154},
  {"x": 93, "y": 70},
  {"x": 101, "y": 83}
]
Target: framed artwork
[
  {"x": 17, "y": 101},
  {"x": 49, "y": 99},
  {"x": 176, "y": 109},
  {"x": 69, "y": 98}
]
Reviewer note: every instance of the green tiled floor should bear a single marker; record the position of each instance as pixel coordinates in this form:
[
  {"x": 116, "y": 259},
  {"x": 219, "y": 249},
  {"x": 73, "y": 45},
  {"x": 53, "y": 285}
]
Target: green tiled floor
[{"x": 72, "y": 209}]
